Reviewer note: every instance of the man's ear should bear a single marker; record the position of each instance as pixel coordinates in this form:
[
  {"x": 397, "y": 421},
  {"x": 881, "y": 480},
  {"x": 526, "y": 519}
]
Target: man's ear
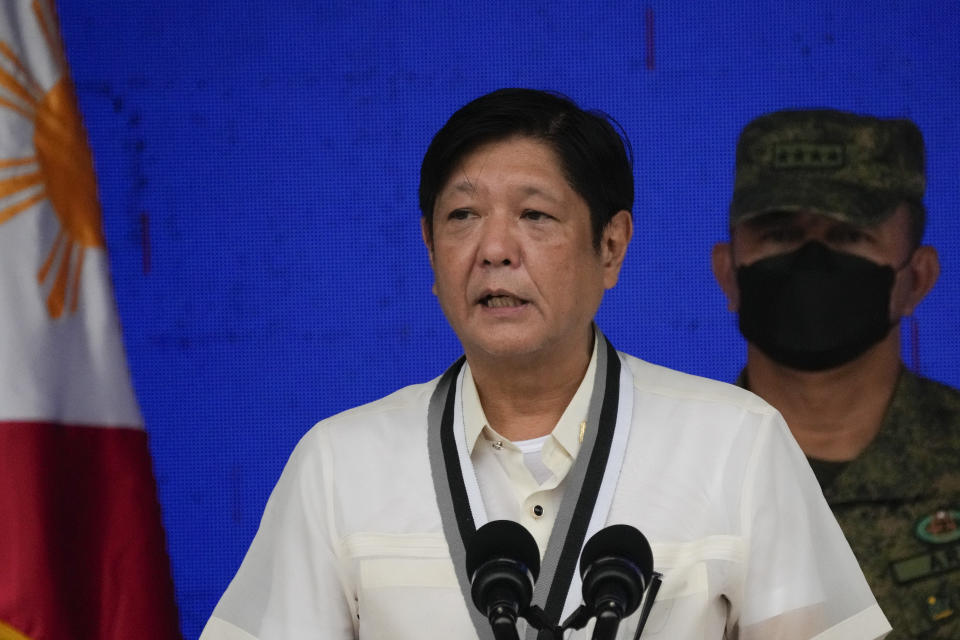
[
  {"x": 721, "y": 261},
  {"x": 613, "y": 246},
  {"x": 427, "y": 238},
  {"x": 428, "y": 242},
  {"x": 923, "y": 271}
]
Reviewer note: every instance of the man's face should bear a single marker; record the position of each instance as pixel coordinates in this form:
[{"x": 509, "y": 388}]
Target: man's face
[
  {"x": 514, "y": 265},
  {"x": 886, "y": 243}
]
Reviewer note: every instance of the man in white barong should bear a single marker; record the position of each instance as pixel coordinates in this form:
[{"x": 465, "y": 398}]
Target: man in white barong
[{"x": 526, "y": 203}]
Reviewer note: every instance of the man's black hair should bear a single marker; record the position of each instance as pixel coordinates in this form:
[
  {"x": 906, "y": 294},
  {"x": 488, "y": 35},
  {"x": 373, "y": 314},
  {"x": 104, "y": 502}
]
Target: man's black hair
[{"x": 595, "y": 159}]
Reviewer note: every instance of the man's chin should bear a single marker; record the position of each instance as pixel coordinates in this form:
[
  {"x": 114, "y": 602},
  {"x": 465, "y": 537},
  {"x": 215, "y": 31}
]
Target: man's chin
[
  {"x": 506, "y": 346},
  {"x": 507, "y": 350}
]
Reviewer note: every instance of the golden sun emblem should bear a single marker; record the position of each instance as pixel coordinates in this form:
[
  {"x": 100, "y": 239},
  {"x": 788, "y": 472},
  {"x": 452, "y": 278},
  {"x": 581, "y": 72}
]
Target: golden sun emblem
[{"x": 61, "y": 168}]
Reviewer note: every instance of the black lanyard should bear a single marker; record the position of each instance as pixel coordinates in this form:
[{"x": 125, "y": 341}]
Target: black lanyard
[{"x": 583, "y": 484}]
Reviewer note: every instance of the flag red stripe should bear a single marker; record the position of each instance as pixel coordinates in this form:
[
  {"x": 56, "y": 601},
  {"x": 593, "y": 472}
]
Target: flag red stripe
[{"x": 81, "y": 541}]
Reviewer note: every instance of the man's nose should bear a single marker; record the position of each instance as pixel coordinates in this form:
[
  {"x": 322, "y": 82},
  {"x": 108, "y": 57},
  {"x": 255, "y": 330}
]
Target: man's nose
[{"x": 498, "y": 244}]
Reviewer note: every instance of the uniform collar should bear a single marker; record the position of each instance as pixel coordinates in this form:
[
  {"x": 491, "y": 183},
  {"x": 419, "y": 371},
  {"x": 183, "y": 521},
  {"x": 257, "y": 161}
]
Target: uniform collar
[
  {"x": 567, "y": 430},
  {"x": 892, "y": 467}
]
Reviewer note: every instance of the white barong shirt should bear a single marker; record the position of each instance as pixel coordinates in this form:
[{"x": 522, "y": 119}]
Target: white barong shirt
[{"x": 351, "y": 542}]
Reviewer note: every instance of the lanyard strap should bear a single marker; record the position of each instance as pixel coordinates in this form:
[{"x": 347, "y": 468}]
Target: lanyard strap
[{"x": 590, "y": 484}]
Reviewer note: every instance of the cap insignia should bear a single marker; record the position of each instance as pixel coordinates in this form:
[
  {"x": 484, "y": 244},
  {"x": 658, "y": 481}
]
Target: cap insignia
[{"x": 808, "y": 155}]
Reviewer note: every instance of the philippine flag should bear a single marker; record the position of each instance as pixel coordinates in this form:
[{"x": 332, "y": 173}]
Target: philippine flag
[{"x": 82, "y": 551}]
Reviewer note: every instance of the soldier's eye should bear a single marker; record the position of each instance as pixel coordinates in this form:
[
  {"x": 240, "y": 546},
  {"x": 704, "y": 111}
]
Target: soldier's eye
[{"x": 846, "y": 235}]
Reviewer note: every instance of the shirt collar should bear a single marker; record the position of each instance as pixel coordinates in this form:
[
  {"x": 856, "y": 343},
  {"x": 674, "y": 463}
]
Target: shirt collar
[{"x": 567, "y": 430}]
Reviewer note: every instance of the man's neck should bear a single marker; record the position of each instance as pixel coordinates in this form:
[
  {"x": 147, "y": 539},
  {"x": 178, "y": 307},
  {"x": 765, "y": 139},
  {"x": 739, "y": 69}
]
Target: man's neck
[
  {"x": 833, "y": 414},
  {"x": 525, "y": 399}
]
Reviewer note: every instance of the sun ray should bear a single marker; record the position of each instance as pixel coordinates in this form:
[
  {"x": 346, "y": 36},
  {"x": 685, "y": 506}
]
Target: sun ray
[
  {"x": 8, "y": 53},
  {"x": 51, "y": 30},
  {"x": 11, "y": 84},
  {"x": 75, "y": 289},
  {"x": 45, "y": 269},
  {"x": 14, "y": 209},
  {"x": 58, "y": 293},
  {"x": 17, "y": 162},
  {"x": 13, "y": 184},
  {"x": 15, "y": 107}
]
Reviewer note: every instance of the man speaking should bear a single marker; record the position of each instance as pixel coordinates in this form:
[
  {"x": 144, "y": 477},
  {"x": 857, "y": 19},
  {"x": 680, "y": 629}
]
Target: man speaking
[{"x": 526, "y": 203}]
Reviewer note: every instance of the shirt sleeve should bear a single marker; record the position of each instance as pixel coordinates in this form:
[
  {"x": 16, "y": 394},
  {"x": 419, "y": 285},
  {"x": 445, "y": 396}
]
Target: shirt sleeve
[
  {"x": 802, "y": 580},
  {"x": 291, "y": 583}
]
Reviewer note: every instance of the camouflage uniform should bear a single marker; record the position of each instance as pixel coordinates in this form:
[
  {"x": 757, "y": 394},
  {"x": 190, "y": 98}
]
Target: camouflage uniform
[
  {"x": 898, "y": 502},
  {"x": 908, "y": 474}
]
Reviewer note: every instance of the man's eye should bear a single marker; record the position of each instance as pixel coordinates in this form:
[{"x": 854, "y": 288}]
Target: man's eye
[
  {"x": 459, "y": 214},
  {"x": 846, "y": 236},
  {"x": 533, "y": 214}
]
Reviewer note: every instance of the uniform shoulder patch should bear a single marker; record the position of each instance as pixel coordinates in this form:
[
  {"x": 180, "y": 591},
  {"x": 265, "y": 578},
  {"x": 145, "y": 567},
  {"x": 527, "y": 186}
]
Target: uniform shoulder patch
[{"x": 941, "y": 527}]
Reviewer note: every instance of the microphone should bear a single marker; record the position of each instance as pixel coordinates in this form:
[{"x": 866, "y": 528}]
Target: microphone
[
  {"x": 503, "y": 562},
  {"x": 615, "y": 566}
]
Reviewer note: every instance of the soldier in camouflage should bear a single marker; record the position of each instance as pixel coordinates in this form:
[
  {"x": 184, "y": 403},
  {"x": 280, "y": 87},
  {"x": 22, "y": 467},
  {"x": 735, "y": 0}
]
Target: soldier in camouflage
[{"x": 825, "y": 258}]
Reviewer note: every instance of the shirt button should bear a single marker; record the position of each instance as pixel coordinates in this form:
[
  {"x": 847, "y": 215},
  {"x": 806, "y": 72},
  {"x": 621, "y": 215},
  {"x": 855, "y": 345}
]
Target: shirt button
[{"x": 537, "y": 511}]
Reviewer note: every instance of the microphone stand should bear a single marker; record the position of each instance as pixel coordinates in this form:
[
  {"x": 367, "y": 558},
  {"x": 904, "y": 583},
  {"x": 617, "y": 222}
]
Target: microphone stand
[
  {"x": 537, "y": 618},
  {"x": 504, "y": 626},
  {"x": 647, "y": 604}
]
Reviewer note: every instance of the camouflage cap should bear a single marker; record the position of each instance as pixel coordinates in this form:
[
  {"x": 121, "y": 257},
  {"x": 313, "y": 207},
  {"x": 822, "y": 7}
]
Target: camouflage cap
[{"x": 850, "y": 167}]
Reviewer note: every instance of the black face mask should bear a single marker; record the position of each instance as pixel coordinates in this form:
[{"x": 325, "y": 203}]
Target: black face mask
[{"x": 814, "y": 308}]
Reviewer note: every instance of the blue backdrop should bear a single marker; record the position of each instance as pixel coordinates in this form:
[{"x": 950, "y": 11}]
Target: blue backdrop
[{"x": 258, "y": 166}]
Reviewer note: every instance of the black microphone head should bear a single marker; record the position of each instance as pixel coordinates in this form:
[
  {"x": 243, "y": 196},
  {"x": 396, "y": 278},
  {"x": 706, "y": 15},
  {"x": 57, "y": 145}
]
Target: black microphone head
[
  {"x": 621, "y": 541},
  {"x": 616, "y": 566},
  {"x": 503, "y": 563},
  {"x": 503, "y": 539}
]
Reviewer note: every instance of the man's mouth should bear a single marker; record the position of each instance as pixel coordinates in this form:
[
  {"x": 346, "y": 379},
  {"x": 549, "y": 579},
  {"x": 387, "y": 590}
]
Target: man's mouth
[{"x": 501, "y": 301}]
